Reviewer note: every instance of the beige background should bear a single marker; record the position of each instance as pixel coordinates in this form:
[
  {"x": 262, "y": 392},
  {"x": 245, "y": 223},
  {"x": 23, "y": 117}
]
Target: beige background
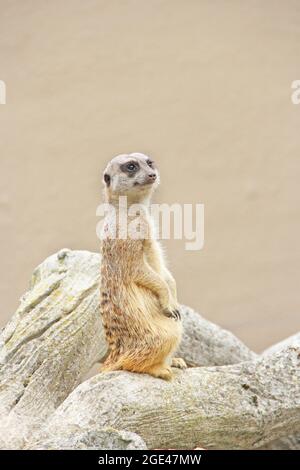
[{"x": 202, "y": 86}]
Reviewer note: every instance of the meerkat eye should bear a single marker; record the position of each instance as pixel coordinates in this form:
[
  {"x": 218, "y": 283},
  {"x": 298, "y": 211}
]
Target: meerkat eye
[
  {"x": 150, "y": 163},
  {"x": 131, "y": 167}
]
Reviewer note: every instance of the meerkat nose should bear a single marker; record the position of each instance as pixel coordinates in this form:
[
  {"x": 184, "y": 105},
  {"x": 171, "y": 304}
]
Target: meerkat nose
[{"x": 152, "y": 176}]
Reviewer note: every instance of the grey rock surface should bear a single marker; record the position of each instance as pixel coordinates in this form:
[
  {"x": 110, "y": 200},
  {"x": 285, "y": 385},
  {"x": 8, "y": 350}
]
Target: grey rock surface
[{"x": 56, "y": 336}]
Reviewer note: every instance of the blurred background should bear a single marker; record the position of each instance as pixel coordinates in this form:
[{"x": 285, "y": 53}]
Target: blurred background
[{"x": 205, "y": 89}]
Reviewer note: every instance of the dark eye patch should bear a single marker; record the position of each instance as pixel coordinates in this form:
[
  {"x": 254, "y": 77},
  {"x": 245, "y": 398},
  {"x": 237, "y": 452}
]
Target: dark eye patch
[{"x": 130, "y": 168}]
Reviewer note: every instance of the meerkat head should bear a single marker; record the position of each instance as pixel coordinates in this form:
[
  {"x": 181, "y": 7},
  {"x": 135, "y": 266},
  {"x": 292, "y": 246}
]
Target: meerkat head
[{"x": 133, "y": 175}]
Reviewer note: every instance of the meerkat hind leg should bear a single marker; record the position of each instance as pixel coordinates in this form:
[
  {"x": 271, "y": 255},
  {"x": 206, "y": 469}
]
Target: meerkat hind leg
[
  {"x": 160, "y": 371},
  {"x": 179, "y": 363}
]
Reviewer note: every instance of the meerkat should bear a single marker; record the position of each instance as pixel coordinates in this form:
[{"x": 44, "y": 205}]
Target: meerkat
[{"x": 138, "y": 304}]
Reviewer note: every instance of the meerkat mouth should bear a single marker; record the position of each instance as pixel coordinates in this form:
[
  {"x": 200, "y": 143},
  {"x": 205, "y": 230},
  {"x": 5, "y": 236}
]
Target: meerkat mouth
[{"x": 144, "y": 183}]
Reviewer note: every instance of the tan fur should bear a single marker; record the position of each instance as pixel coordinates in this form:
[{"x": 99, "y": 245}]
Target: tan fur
[{"x": 138, "y": 293}]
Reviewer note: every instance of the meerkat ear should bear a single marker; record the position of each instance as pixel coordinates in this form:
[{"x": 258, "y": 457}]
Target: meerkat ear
[{"x": 106, "y": 178}]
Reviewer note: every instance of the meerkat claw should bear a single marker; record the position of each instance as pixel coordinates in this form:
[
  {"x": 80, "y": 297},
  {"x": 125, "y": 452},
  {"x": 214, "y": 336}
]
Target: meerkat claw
[
  {"x": 179, "y": 363},
  {"x": 164, "y": 373},
  {"x": 175, "y": 314}
]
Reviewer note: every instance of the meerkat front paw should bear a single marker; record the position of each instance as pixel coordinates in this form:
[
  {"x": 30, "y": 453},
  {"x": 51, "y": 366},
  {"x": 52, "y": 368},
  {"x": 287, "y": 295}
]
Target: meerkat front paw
[
  {"x": 179, "y": 363},
  {"x": 172, "y": 313}
]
